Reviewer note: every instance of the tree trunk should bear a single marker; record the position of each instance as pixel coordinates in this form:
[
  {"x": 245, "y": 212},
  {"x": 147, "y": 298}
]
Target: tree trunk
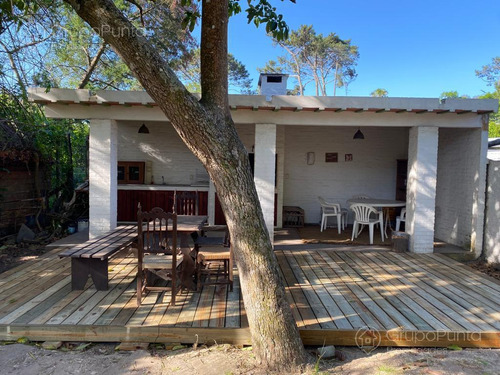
[{"x": 208, "y": 131}]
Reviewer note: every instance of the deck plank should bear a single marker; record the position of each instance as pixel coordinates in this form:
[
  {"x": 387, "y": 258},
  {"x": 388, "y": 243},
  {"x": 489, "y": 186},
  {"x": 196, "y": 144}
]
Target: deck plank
[
  {"x": 233, "y": 313},
  {"x": 442, "y": 304},
  {"x": 81, "y": 296},
  {"x": 432, "y": 293},
  {"x": 308, "y": 318},
  {"x": 390, "y": 290},
  {"x": 202, "y": 315},
  {"x": 314, "y": 301},
  {"x": 418, "y": 308},
  {"x": 467, "y": 283},
  {"x": 478, "y": 316},
  {"x": 188, "y": 312},
  {"x": 344, "y": 305},
  {"x": 335, "y": 314},
  {"x": 370, "y": 298},
  {"x": 373, "y": 289},
  {"x": 169, "y": 319},
  {"x": 19, "y": 293},
  {"x": 467, "y": 271},
  {"x": 345, "y": 287},
  {"x": 38, "y": 262}
]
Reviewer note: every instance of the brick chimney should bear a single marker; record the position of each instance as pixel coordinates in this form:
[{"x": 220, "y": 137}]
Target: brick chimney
[{"x": 272, "y": 84}]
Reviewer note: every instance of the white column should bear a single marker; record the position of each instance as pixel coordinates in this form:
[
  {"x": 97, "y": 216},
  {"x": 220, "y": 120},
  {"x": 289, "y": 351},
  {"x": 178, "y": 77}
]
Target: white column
[
  {"x": 211, "y": 203},
  {"x": 478, "y": 208},
  {"x": 421, "y": 189},
  {"x": 103, "y": 161},
  {"x": 280, "y": 174},
  {"x": 265, "y": 171}
]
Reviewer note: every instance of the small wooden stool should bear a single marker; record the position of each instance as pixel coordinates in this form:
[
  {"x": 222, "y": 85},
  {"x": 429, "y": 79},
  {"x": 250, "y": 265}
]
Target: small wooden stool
[{"x": 208, "y": 255}]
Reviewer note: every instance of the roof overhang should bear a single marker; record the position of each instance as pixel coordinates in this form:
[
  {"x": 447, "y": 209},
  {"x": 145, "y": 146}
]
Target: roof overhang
[{"x": 255, "y": 108}]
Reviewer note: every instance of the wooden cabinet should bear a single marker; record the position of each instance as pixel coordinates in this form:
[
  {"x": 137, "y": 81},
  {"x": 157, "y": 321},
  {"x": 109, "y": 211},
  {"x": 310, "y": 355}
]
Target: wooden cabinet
[
  {"x": 131, "y": 172},
  {"x": 401, "y": 179}
]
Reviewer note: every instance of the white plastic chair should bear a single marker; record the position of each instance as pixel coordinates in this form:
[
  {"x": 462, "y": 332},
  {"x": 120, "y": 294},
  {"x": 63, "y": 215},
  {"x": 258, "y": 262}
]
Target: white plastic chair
[
  {"x": 362, "y": 213},
  {"x": 400, "y": 218},
  {"x": 332, "y": 209}
]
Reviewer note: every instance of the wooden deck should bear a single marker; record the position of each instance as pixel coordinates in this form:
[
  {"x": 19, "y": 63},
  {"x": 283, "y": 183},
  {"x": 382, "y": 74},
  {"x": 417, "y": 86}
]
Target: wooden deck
[{"x": 337, "y": 297}]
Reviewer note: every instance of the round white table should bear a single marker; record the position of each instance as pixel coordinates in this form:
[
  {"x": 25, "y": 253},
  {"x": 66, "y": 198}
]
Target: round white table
[{"x": 378, "y": 203}]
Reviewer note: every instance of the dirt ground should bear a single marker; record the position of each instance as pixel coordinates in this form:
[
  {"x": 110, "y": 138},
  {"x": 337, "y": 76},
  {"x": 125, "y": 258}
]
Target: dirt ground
[{"x": 99, "y": 359}]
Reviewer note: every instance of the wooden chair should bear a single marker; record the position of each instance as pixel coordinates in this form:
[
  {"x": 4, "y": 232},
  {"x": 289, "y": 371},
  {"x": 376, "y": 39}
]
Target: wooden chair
[
  {"x": 214, "y": 257},
  {"x": 157, "y": 253},
  {"x": 186, "y": 203}
]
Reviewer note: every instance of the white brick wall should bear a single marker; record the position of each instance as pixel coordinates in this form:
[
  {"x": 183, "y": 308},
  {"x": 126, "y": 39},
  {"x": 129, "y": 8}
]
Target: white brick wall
[
  {"x": 102, "y": 176},
  {"x": 421, "y": 189},
  {"x": 372, "y": 171},
  {"x": 459, "y": 219},
  {"x": 492, "y": 229},
  {"x": 163, "y": 147}
]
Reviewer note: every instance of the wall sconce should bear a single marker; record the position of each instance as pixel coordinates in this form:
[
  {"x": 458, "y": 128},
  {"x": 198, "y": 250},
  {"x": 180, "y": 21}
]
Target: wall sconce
[
  {"x": 311, "y": 158},
  {"x": 358, "y": 135},
  {"x": 143, "y": 129}
]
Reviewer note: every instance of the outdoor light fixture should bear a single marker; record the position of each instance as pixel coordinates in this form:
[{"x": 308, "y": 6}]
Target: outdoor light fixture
[
  {"x": 358, "y": 135},
  {"x": 143, "y": 129}
]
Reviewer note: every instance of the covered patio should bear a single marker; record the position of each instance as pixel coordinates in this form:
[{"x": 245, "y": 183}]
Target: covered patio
[
  {"x": 428, "y": 152},
  {"x": 337, "y": 296}
]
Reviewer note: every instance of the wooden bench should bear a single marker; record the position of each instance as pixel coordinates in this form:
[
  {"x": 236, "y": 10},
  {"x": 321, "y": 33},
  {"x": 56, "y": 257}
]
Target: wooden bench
[{"x": 91, "y": 257}]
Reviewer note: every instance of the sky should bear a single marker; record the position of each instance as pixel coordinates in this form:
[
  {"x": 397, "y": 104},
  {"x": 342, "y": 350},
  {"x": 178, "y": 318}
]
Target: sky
[{"x": 410, "y": 48}]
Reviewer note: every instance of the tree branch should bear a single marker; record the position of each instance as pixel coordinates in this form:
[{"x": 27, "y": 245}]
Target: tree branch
[{"x": 93, "y": 64}]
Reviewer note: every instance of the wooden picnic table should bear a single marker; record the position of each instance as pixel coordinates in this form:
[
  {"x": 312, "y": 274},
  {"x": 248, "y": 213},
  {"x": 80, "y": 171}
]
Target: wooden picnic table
[{"x": 91, "y": 257}]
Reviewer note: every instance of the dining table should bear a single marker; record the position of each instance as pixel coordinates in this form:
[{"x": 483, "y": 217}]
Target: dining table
[
  {"x": 382, "y": 203},
  {"x": 187, "y": 224}
]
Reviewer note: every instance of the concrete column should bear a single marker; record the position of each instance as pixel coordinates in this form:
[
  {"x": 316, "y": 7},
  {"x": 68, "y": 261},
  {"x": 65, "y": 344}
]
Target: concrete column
[
  {"x": 479, "y": 207},
  {"x": 421, "y": 188},
  {"x": 103, "y": 161},
  {"x": 211, "y": 203},
  {"x": 265, "y": 171},
  {"x": 280, "y": 174}
]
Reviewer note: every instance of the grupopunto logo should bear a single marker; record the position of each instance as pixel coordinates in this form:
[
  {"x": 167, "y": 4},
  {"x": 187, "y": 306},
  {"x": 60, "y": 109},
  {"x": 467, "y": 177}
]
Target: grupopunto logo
[{"x": 367, "y": 339}]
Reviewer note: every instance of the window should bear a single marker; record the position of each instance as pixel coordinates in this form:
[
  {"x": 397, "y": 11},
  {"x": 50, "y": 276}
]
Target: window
[{"x": 131, "y": 172}]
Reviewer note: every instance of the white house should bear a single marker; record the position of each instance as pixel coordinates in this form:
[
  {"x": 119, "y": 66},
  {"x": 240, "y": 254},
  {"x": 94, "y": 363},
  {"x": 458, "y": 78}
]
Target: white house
[{"x": 303, "y": 147}]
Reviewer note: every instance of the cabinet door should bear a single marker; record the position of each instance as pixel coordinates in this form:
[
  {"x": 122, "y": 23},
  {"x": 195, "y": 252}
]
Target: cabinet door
[{"x": 131, "y": 172}]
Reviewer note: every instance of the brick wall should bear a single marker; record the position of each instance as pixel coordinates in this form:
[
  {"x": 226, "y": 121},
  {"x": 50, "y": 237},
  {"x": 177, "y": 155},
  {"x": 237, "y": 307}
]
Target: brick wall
[
  {"x": 163, "y": 147},
  {"x": 492, "y": 228},
  {"x": 372, "y": 170},
  {"x": 457, "y": 182},
  {"x": 421, "y": 189}
]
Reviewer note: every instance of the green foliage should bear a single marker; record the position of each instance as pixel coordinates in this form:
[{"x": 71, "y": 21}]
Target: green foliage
[
  {"x": 452, "y": 95},
  {"x": 258, "y": 12},
  {"x": 491, "y": 74},
  {"x": 48, "y": 138},
  {"x": 380, "y": 93},
  {"x": 189, "y": 70},
  {"x": 313, "y": 57},
  {"x": 494, "y": 124},
  {"x": 271, "y": 67}
]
